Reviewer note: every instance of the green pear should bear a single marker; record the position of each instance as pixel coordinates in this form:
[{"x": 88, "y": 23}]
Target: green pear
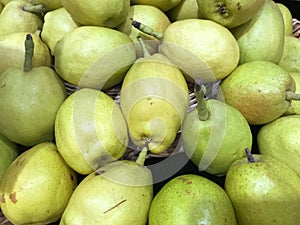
[
  {"x": 290, "y": 58},
  {"x": 287, "y": 19},
  {"x": 57, "y": 23},
  {"x": 257, "y": 37},
  {"x": 12, "y": 51},
  {"x": 186, "y": 9},
  {"x": 118, "y": 193},
  {"x": 94, "y": 57},
  {"x": 214, "y": 134},
  {"x": 295, "y": 105},
  {"x": 154, "y": 99},
  {"x": 90, "y": 130},
  {"x": 264, "y": 191},
  {"x": 191, "y": 199},
  {"x": 262, "y": 91},
  {"x": 8, "y": 151},
  {"x": 37, "y": 186},
  {"x": 229, "y": 13},
  {"x": 284, "y": 146},
  {"x": 107, "y": 13},
  {"x": 29, "y": 100},
  {"x": 20, "y": 15},
  {"x": 163, "y": 5}
]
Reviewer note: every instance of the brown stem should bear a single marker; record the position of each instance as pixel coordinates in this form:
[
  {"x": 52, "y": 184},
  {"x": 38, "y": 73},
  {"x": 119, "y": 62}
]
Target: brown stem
[{"x": 148, "y": 30}]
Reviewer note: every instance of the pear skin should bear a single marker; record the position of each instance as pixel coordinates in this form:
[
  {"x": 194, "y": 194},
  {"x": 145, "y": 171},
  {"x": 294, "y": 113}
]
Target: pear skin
[
  {"x": 295, "y": 105},
  {"x": 186, "y": 9},
  {"x": 163, "y": 5},
  {"x": 287, "y": 19}
]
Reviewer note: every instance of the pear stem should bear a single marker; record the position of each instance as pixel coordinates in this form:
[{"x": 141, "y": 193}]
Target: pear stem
[
  {"x": 29, "y": 51},
  {"x": 292, "y": 96},
  {"x": 142, "y": 156},
  {"x": 250, "y": 157},
  {"x": 148, "y": 30},
  {"x": 146, "y": 53},
  {"x": 37, "y": 9},
  {"x": 203, "y": 113}
]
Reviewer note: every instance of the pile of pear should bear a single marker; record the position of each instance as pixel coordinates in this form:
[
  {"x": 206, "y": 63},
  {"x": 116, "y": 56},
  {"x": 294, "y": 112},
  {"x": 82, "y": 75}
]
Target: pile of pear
[{"x": 204, "y": 72}]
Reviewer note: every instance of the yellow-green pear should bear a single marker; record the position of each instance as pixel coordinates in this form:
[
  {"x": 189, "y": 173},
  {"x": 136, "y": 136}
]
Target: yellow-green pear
[
  {"x": 191, "y": 199},
  {"x": 20, "y": 15},
  {"x": 287, "y": 19},
  {"x": 229, "y": 13},
  {"x": 262, "y": 91},
  {"x": 280, "y": 139},
  {"x": 290, "y": 59},
  {"x": 295, "y": 105},
  {"x": 263, "y": 190},
  {"x": 37, "y": 186},
  {"x": 163, "y": 5},
  {"x": 257, "y": 37},
  {"x": 186, "y": 9},
  {"x": 154, "y": 99},
  {"x": 57, "y": 23},
  {"x": 214, "y": 134},
  {"x": 118, "y": 193},
  {"x": 94, "y": 57},
  {"x": 107, "y": 13},
  {"x": 29, "y": 100},
  {"x": 90, "y": 130}
]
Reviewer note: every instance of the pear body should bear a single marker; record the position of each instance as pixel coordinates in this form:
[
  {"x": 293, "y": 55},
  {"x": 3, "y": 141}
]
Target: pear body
[
  {"x": 199, "y": 201},
  {"x": 37, "y": 186},
  {"x": 186, "y": 9},
  {"x": 154, "y": 99},
  {"x": 263, "y": 192},
  {"x": 229, "y": 13},
  {"x": 108, "y": 13},
  {"x": 254, "y": 39},
  {"x": 258, "y": 90},
  {"x": 287, "y": 19},
  {"x": 100, "y": 60},
  {"x": 90, "y": 130},
  {"x": 226, "y": 124},
  {"x": 161, "y": 4},
  {"x": 118, "y": 193}
]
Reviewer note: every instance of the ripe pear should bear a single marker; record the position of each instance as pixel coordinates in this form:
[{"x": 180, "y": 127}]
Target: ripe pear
[
  {"x": 163, "y": 5},
  {"x": 57, "y": 23},
  {"x": 94, "y": 57},
  {"x": 295, "y": 105},
  {"x": 214, "y": 134},
  {"x": 290, "y": 58},
  {"x": 229, "y": 13},
  {"x": 211, "y": 49},
  {"x": 19, "y": 16},
  {"x": 90, "y": 130},
  {"x": 106, "y": 13},
  {"x": 29, "y": 100},
  {"x": 154, "y": 98},
  {"x": 284, "y": 146},
  {"x": 37, "y": 186},
  {"x": 257, "y": 37},
  {"x": 12, "y": 51},
  {"x": 8, "y": 151},
  {"x": 118, "y": 193},
  {"x": 264, "y": 191},
  {"x": 197, "y": 199},
  {"x": 262, "y": 91},
  {"x": 186, "y": 9},
  {"x": 287, "y": 19}
]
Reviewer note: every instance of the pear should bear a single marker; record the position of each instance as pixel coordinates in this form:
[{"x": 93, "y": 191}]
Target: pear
[
  {"x": 214, "y": 134},
  {"x": 283, "y": 146},
  {"x": 262, "y": 91},
  {"x": 57, "y": 23},
  {"x": 20, "y": 15},
  {"x": 118, "y": 193},
  {"x": 12, "y": 51},
  {"x": 29, "y": 100},
  {"x": 90, "y": 130},
  {"x": 263, "y": 190},
  {"x": 163, "y": 5},
  {"x": 197, "y": 199},
  {"x": 49, "y": 4},
  {"x": 295, "y": 105},
  {"x": 186, "y": 9},
  {"x": 229, "y": 13},
  {"x": 257, "y": 37},
  {"x": 154, "y": 98},
  {"x": 8, "y": 151},
  {"x": 107, "y": 13},
  {"x": 290, "y": 58},
  {"x": 94, "y": 57},
  {"x": 211, "y": 49},
  {"x": 37, "y": 186},
  {"x": 287, "y": 19}
]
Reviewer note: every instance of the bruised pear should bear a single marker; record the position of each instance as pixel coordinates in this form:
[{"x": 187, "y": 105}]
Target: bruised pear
[{"x": 154, "y": 99}]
